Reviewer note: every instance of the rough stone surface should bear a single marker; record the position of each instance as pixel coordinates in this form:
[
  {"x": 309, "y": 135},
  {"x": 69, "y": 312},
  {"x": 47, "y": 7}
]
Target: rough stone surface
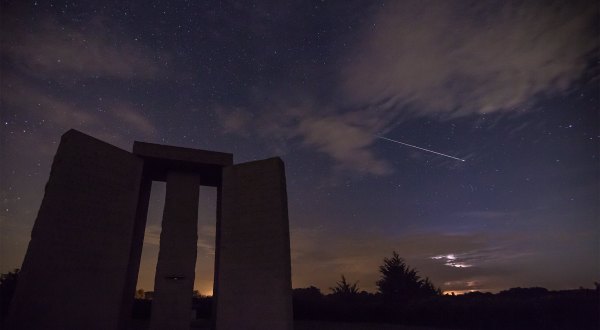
[
  {"x": 135, "y": 255},
  {"x": 175, "y": 271},
  {"x": 81, "y": 266},
  {"x": 253, "y": 272},
  {"x": 76, "y": 271}
]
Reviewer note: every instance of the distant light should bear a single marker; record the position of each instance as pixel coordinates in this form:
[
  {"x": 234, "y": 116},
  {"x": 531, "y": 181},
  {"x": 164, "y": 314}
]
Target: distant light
[
  {"x": 458, "y": 264},
  {"x": 451, "y": 261},
  {"x": 457, "y": 292},
  {"x": 445, "y": 256},
  {"x": 175, "y": 277}
]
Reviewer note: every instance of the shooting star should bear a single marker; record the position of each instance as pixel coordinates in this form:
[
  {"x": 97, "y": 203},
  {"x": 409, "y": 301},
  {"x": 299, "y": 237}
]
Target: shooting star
[{"x": 410, "y": 145}]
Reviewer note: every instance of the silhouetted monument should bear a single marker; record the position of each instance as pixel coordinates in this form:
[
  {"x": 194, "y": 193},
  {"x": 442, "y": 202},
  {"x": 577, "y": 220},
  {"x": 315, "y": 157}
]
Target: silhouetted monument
[{"x": 83, "y": 259}]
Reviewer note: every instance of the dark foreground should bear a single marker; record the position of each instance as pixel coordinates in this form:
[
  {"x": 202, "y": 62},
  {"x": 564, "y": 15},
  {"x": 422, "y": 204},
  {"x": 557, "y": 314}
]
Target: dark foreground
[
  {"x": 517, "y": 308},
  {"x": 308, "y": 325}
]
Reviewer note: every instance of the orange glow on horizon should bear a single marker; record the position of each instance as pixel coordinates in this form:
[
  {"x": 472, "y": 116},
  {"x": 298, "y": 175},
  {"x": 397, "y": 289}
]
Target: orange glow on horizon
[
  {"x": 207, "y": 293},
  {"x": 457, "y": 292}
]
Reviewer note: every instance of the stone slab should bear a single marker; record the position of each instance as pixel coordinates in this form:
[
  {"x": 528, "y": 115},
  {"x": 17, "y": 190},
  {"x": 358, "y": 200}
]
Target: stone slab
[
  {"x": 253, "y": 268},
  {"x": 180, "y": 154},
  {"x": 160, "y": 159},
  {"x": 175, "y": 270},
  {"x": 77, "y": 270},
  {"x": 82, "y": 262}
]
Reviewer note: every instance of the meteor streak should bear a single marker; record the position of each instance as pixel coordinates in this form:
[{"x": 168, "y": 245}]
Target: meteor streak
[{"x": 410, "y": 145}]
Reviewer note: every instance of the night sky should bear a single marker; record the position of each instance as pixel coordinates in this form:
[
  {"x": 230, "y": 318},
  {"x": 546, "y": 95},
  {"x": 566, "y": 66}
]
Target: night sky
[{"x": 510, "y": 87}]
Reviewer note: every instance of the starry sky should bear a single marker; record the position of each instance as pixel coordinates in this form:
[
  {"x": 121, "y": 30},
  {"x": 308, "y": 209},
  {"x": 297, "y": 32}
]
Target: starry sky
[{"x": 511, "y": 87}]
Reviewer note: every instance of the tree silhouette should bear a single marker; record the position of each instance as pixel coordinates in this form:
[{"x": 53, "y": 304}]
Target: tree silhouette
[
  {"x": 401, "y": 283},
  {"x": 8, "y": 284},
  {"x": 139, "y": 294},
  {"x": 344, "y": 288},
  {"x": 428, "y": 289},
  {"x": 308, "y": 294}
]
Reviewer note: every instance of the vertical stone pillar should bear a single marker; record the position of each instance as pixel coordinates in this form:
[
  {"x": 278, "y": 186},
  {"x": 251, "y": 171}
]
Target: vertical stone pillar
[
  {"x": 135, "y": 253},
  {"x": 77, "y": 271},
  {"x": 253, "y": 270},
  {"x": 175, "y": 270}
]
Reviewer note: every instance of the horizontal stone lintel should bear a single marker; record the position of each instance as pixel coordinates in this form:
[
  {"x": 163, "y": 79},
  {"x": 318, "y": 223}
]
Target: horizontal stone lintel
[
  {"x": 160, "y": 159},
  {"x": 180, "y": 154}
]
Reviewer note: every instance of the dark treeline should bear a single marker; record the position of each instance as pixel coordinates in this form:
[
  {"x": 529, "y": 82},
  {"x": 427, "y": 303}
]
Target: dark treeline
[
  {"x": 403, "y": 297},
  {"x": 517, "y": 308}
]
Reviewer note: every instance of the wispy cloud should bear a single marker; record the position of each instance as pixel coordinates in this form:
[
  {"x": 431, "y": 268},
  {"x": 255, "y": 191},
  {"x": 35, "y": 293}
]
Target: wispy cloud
[
  {"x": 39, "y": 57},
  {"x": 450, "y": 260},
  {"x": 489, "y": 215},
  {"x": 346, "y": 137},
  {"x": 133, "y": 118},
  {"x": 115, "y": 122},
  {"x": 471, "y": 57},
  {"x": 236, "y": 120},
  {"x": 480, "y": 257},
  {"x": 52, "y": 48},
  {"x": 429, "y": 58},
  {"x": 345, "y": 142}
]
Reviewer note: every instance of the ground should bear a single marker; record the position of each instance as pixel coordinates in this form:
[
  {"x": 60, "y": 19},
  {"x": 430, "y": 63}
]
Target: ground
[{"x": 308, "y": 325}]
